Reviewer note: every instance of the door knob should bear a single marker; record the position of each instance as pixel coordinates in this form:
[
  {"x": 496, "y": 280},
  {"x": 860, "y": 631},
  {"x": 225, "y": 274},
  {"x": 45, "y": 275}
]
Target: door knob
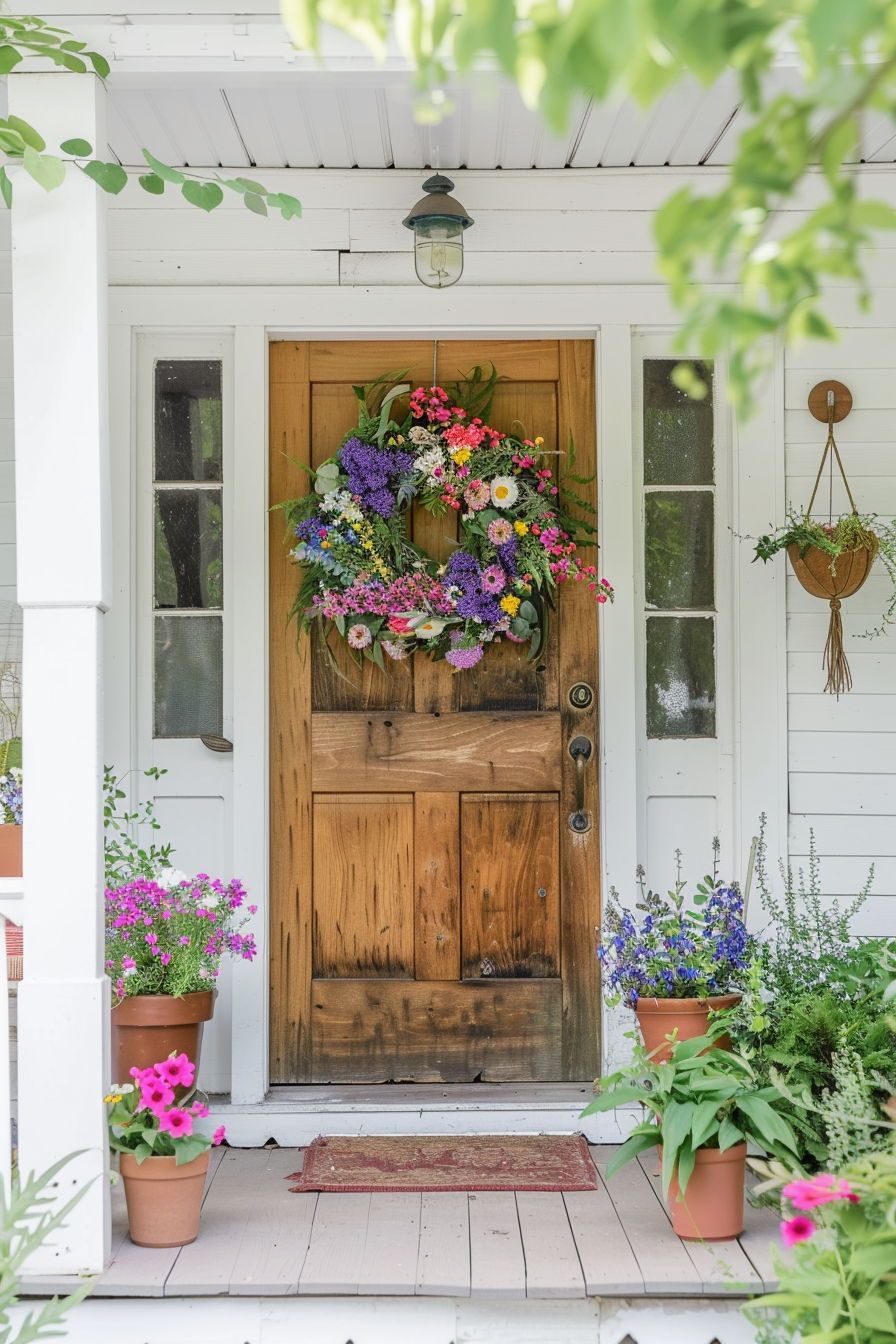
[{"x": 580, "y": 749}]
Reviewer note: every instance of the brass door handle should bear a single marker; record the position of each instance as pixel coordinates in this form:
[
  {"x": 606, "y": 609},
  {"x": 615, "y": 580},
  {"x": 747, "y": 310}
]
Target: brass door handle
[{"x": 580, "y": 749}]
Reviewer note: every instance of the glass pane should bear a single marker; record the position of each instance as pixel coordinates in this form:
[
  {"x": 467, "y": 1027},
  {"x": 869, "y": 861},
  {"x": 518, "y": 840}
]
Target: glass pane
[
  {"x": 678, "y": 549},
  {"x": 677, "y": 430},
  {"x": 188, "y": 533},
  {"x": 188, "y": 420},
  {"x": 681, "y": 676},
  {"x": 188, "y": 675}
]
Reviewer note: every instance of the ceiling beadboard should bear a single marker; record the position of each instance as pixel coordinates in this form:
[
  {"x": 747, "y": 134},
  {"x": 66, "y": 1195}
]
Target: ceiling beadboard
[{"x": 369, "y": 124}]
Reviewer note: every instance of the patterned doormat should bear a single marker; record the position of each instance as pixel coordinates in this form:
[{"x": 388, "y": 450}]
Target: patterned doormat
[{"x": 477, "y": 1162}]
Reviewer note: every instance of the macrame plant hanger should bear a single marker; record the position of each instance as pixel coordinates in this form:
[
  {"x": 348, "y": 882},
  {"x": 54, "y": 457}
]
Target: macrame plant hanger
[{"x": 820, "y": 574}]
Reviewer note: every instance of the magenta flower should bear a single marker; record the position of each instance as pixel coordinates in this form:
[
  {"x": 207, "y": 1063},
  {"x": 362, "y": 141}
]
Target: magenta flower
[
  {"x": 500, "y": 531},
  {"x": 176, "y": 1070},
  {"x": 821, "y": 1189},
  {"x": 219, "y": 1136},
  {"x": 155, "y": 1094},
  {"x": 797, "y": 1229},
  {"x": 493, "y": 579},
  {"x": 177, "y": 1123},
  {"x": 199, "y": 1110}
]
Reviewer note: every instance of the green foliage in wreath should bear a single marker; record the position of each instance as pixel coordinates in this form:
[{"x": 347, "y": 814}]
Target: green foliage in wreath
[{"x": 520, "y": 532}]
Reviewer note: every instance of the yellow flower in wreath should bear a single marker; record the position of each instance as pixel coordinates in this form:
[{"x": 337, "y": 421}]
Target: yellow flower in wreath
[{"x": 510, "y": 604}]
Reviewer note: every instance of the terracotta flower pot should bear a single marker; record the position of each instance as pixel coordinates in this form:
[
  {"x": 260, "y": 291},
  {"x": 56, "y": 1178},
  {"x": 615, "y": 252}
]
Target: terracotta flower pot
[
  {"x": 658, "y": 1017},
  {"x": 10, "y": 851},
  {"x": 147, "y": 1027},
  {"x": 164, "y": 1200},
  {"x": 712, "y": 1208}
]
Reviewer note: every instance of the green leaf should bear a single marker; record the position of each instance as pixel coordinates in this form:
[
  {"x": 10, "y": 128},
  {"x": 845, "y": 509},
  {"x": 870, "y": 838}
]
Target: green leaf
[
  {"x": 874, "y": 1260},
  {"x": 152, "y": 183},
  {"x": 5, "y": 188},
  {"x": 100, "y": 64},
  {"x": 162, "y": 169},
  {"x": 205, "y": 195},
  {"x": 289, "y": 207},
  {"x": 9, "y": 59},
  {"x": 11, "y": 141},
  {"x": 246, "y": 184},
  {"x": 677, "y": 1120},
  {"x": 528, "y": 612},
  {"x": 687, "y": 1160},
  {"x": 47, "y": 171},
  {"x": 729, "y": 1134},
  {"x": 634, "y": 1144},
  {"x": 187, "y": 1150},
  {"x": 109, "y": 177},
  {"x": 254, "y": 203},
  {"x": 829, "y": 1308},
  {"x": 872, "y": 1311},
  {"x": 27, "y": 132},
  {"x": 767, "y": 1124},
  {"x": 80, "y": 149},
  {"x": 704, "y": 1123}
]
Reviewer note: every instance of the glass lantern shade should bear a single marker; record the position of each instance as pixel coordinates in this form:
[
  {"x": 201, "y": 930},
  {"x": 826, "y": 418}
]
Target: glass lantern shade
[
  {"x": 438, "y": 252},
  {"x": 438, "y": 222}
]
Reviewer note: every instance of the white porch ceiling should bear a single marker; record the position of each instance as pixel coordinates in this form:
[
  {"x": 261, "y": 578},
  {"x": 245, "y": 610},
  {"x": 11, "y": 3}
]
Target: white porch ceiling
[{"x": 365, "y": 121}]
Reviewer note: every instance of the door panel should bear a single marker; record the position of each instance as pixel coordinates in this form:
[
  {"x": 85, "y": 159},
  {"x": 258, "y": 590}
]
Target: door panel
[{"x": 432, "y": 912}]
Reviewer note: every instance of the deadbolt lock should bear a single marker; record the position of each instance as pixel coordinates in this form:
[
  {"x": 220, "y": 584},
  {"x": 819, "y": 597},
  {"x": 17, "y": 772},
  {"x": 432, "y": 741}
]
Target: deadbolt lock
[{"x": 581, "y": 696}]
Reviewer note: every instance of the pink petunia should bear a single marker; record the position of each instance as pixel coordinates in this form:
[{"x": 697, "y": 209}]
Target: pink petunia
[
  {"x": 177, "y": 1123},
  {"x": 176, "y": 1070},
  {"x": 821, "y": 1189},
  {"x": 219, "y": 1136},
  {"x": 155, "y": 1095},
  {"x": 199, "y": 1109},
  {"x": 795, "y": 1230}
]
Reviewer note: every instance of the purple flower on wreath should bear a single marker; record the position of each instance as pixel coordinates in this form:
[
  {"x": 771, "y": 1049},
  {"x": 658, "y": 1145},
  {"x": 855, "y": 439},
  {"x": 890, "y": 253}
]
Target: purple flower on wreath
[
  {"x": 463, "y": 658},
  {"x": 463, "y": 571},
  {"x": 371, "y": 473}
]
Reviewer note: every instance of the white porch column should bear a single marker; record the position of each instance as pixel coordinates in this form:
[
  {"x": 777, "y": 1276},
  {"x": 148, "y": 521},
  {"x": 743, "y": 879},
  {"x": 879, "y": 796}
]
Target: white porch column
[{"x": 62, "y": 517}]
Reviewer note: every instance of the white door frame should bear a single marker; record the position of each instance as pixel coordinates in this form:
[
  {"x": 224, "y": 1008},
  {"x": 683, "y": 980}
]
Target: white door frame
[{"x": 607, "y": 314}]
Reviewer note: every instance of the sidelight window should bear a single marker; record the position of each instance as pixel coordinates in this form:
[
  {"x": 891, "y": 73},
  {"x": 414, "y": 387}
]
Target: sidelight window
[
  {"x": 679, "y": 487},
  {"x": 188, "y": 573}
]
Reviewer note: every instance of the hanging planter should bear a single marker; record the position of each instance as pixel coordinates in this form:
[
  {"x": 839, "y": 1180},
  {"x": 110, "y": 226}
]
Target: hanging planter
[{"x": 832, "y": 560}]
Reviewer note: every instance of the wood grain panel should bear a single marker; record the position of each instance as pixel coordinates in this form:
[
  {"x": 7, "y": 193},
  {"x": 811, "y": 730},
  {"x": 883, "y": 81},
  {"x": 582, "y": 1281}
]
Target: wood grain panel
[
  {"x": 375, "y": 1031},
  {"x": 290, "y": 733},
  {"x": 361, "y": 361},
  {"x": 578, "y": 636},
  {"x": 366, "y": 753},
  {"x": 437, "y": 868},
  {"x": 510, "y": 885},
  {"x": 363, "y": 860}
]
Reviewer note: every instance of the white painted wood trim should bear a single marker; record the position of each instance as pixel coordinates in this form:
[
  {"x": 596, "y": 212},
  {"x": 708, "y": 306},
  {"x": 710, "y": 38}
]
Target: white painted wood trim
[
  {"x": 248, "y": 578},
  {"x": 391, "y": 1320},
  {"x": 6, "y": 1066},
  {"x": 62, "y": 466}
]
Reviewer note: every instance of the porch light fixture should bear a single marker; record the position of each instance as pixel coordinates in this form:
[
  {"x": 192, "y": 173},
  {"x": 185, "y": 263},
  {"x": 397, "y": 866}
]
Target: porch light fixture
[{"x": 438, "y": 222}]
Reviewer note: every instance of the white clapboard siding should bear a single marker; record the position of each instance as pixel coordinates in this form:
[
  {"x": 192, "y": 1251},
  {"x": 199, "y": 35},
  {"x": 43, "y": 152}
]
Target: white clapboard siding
[{"x": 841, "y": 752}]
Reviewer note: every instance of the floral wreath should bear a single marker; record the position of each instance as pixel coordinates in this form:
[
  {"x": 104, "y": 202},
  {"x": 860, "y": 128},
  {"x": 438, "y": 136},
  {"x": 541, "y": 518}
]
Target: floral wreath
[{"x": 364, "y": 577}]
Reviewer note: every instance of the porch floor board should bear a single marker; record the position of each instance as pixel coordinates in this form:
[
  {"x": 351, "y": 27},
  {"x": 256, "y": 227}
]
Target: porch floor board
[{"x": 258, "y": 1240}]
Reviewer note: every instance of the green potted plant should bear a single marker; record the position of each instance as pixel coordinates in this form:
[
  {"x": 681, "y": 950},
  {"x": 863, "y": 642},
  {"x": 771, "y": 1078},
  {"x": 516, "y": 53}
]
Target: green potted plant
[
  {"x": 163, "y": 1157},
  {"x": 674, "y": 960},
  {"x": 706, "y": 1106},
  {"x": 832, "y": 560},
  {"x": 166, "y": 933},
  {"x": 11, "y": 822}
]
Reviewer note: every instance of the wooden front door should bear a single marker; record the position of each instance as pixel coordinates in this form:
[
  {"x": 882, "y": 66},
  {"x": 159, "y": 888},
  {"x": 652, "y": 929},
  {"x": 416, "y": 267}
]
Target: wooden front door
[{"x": 432, "y": 910}]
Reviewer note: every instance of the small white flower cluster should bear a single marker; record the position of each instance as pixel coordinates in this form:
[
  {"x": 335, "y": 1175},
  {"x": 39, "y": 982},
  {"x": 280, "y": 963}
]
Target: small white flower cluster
[
  {"x": 428, "y": 461},
  {"x": 341, "y": 504}
]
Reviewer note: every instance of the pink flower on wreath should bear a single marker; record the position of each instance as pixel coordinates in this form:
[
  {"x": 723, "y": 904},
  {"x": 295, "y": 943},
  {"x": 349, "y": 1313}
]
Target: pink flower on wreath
[
  {"x": 177, "y": 1070},
  {"x": 477, "y": 495},
  {"x": 493, "y": 579},
  {"x": 177, "y": 1123},
  {"x": 396, "y": 650},
  {"x": 359, "y": 636},
  {"x": 821, "y": 1189},
  {"x": 500, "y": 531},
  {"x": 797, "y": 1229},
  {"x": 156, "y": 1094},
  {"x": 399, "y": 625},
  {"x": 219, "y": 1136}
]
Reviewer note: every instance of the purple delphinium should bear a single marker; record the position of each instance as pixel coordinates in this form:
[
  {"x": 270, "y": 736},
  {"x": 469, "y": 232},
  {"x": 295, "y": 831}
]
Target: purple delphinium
[
  {"x": 673, "y": 951},
  {"x": 371, "y": 473}
]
